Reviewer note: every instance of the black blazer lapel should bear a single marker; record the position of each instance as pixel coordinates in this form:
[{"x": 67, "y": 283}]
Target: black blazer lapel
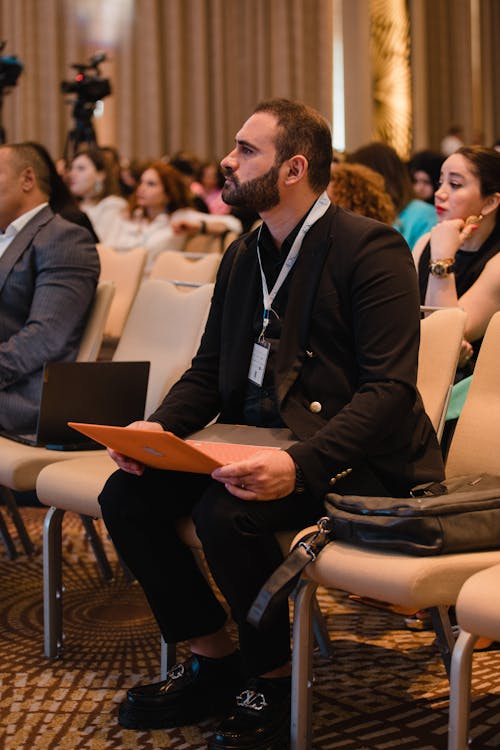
[
  {"x": 237, "y": 329},
  {"x": 303, "y": 289},
  {"x": 21, "y": 241}
]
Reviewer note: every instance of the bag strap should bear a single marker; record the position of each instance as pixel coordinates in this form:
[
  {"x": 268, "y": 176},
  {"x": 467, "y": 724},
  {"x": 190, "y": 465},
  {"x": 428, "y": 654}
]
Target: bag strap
[{"x": 283, "y": 580}]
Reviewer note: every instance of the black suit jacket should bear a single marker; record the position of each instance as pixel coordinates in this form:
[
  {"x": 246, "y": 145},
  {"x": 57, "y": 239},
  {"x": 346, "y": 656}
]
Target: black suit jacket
[
  {"x": 346, "y": 365},
  {"x": 48, "y": 276}
]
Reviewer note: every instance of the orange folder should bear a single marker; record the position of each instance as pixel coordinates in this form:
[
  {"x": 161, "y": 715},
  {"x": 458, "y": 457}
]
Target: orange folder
[{"x": 164, "y": 450}]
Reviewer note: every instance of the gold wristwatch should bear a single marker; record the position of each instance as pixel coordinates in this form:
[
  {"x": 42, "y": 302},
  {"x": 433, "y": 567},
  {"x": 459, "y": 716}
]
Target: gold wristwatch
[{"x": 442, "y": 267}]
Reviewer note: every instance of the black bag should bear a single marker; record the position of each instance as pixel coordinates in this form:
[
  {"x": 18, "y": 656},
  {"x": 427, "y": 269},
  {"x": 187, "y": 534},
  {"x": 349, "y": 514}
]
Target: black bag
[{"x": 462, "y": 515}]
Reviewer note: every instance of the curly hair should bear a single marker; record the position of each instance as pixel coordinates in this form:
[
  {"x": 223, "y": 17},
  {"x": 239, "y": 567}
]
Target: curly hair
[
  {"x": 385, "y": 160},
  {"x": 361, "y": 190},
  {"x": 174, "y": 184}
]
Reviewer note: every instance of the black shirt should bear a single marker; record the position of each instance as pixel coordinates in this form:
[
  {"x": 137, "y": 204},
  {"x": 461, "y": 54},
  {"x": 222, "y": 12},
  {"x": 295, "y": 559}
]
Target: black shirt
[{"x": 260, "y": 407}]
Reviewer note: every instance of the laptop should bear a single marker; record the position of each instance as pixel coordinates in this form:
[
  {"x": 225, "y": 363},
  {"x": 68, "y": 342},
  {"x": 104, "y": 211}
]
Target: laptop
[{"x": 105, "y": 392}]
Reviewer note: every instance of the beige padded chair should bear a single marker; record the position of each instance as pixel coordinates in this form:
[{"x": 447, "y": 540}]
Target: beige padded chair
[
  {"x": 478, "y": 615},
  {"x": 209, "y": 243},
  {"x": 76, "y": 486},
  {"x": 90, "y": 343},
  {"x": 441, "y": 336},
  {"x": 169, "y": 348},
  {"x": 190, "y": 268},
  {"x": 20, "y": 464},
  {"x": 125, "y": 269},
  {"x": 403, "y": 580}
]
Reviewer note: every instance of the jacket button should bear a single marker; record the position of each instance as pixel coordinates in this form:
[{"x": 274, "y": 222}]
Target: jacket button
[
  {"x": 315, "y": 407},
  {"x": 333, "y": 480}
]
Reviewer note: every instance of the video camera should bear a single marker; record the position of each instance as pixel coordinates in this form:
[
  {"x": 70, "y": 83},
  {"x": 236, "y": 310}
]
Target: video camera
[
  {"x": 10, "y": 69},
  {"x": 88, "y": 88}
]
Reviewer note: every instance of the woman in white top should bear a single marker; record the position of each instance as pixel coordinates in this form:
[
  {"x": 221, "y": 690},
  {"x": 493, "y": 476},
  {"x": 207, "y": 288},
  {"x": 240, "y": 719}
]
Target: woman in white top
[
  {"x": 92, "y": 182},
  {"x": 160, "y": 215}
]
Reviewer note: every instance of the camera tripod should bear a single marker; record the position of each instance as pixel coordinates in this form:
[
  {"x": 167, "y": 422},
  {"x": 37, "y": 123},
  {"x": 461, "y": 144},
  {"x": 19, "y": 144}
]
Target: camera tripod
[{"x": 83, "y": 132}]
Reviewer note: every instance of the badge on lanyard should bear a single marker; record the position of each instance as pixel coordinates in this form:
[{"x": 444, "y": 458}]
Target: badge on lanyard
[
  {"x": 260, "y": 353},
  {"x": 261, "y": 348},
  {"x": 258, "y": 362}
]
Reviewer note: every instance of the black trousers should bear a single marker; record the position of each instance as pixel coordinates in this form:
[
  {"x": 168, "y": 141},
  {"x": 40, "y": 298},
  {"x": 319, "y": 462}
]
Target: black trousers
[{"x": 239, "y": 545}]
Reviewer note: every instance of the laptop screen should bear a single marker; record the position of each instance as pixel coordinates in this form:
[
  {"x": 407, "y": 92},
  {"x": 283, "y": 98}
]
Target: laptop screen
[{"x": 103, "y": 392}]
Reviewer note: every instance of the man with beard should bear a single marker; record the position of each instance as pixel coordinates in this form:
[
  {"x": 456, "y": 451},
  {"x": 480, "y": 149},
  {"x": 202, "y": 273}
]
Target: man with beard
[{"x": 314, "y": 327}]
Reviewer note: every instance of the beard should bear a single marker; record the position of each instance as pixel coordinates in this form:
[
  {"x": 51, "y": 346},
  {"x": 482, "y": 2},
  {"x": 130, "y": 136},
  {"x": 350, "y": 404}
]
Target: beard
[{"x": 259, "y": 194}]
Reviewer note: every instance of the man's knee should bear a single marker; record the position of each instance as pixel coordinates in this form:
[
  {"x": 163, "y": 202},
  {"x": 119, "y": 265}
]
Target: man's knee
[
  {"x": 118, "y": 493},
  {"x": 219, "y": 517}
]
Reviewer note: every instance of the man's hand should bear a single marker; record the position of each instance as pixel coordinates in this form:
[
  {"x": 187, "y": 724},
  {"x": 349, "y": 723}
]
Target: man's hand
[
  {"x": 125, "y": 462},
  {"x": 267, "y": 475}
]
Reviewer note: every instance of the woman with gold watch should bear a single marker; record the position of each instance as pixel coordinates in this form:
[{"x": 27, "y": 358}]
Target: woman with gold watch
[{"x": 458, "y": 262}]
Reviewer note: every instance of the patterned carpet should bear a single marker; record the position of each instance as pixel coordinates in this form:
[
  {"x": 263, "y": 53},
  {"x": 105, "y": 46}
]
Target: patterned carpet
[{"x": 385, "y": 689}]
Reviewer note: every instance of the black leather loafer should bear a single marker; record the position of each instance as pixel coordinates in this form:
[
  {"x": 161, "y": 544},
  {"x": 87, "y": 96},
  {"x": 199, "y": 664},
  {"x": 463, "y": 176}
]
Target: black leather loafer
[
  {"x": 193, "y": 690},
  {"x": 260, "y": 719}
]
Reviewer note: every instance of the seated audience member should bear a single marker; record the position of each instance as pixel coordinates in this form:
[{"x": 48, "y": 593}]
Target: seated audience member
[
  {"x": 161, "y": 216},
  {"x": 120, "y": 169},
  {"x": 319, "y": 366},
  {"x": 61, "y": 200},
  {"x": 458, "y": 262},
  {"x": 95, "y": 186},
  {"x": 130, "y": 173},
  {"x": 453, "y": 140},
  {"x": 414, "y": 217},
  {"x": 188, "y": 165},
  {"x": 425, "y": 169},
  {"x": 49, "y": 270},
  {"x": 210, "y": 182},
  {"x": 361, "y": 190}
]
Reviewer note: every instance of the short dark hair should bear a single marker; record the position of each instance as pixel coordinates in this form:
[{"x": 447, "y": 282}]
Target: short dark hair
[
  {"x": 25, "y": 155},
  {"x": 302, "y": 130},
  {"x": 429, "y": 162},
  {"x": 60, "y": 195}
]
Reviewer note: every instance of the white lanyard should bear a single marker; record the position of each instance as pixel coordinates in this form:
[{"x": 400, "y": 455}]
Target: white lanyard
[{"x": 320, "y": 207}]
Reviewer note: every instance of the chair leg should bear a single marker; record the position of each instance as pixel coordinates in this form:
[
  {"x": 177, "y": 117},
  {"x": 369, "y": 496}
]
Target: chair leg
[
  {"x": 7, "y": 539},
  {"x": 460, "y": 691},
  {"x": 302, "y": 678},
  {"x": 52, "y": 582},
  {"x": 445, "y": 636},
  {"x": 167, "y": 657},
  {"x": 21, "y": 529},
  {"x": 321, "y": 634},
  {"x": 97, "y": 547}
]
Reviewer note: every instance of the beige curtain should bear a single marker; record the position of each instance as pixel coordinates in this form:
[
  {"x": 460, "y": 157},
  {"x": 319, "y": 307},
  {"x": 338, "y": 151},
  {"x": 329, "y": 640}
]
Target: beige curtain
[
  {"x": 185, "y": 73},
  {"x": 451, "y": 87}
]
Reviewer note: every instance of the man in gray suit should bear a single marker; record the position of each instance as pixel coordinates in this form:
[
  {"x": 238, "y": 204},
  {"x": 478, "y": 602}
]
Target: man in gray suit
[{"x": 48, "y": 274}]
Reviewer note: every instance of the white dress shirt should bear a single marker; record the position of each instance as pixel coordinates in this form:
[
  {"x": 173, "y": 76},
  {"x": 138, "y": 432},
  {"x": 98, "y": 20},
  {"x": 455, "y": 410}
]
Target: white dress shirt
[{"x": 15, "y": 227}]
